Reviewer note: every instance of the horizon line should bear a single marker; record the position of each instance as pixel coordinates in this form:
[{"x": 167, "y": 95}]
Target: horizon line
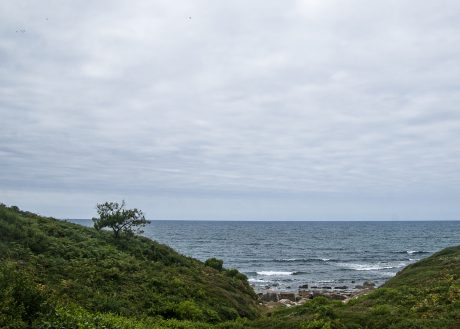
[{"x": 289, "y": 220}]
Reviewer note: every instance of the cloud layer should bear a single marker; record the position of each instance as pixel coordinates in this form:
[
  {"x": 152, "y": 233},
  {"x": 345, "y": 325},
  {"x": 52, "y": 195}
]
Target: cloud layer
[{"x": 203, "y": 109}]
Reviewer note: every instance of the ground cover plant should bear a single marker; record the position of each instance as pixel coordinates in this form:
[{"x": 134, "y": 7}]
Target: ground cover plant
[{"x": 55, "y": 274}]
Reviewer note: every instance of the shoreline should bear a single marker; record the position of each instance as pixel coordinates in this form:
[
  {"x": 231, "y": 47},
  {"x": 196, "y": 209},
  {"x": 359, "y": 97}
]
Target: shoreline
[{"x": 273, "y": 297}]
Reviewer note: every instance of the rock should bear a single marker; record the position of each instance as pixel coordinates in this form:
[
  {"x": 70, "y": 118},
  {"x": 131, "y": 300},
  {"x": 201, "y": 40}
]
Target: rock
[
  {"x": 330, "y": 295},
  {"x": 314, "y": 287},
  {"x": 287, "y": 295},
  {"x": 269, "y": 297},
  {"x": 368, "y": 284},
  {"x": 337, "y": 296},
  {"x": 326, "y": 288},
  {"x": 304, "y": 293},
  {"x": 288, "y": 287},
  {"x": 341, "y": 287},
  {"x": 304, "y": 286},
  {"x": 316, "y": 294},
  {"x": 286, "y": 302},
  {"x": 359, "y": 287},
  {"x": 276, "y": 284},
  {"x": 353, "y": 281}
]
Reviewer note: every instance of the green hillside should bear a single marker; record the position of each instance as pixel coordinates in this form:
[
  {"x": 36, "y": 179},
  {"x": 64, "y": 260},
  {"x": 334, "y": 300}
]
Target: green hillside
[
  {"x": 48, "y": 264},
  {"x": 423, "y": 295},
  {"x": 55, "y": 274}
]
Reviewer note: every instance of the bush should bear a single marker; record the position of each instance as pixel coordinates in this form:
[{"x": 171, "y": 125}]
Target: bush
[
  {"x": 215, "y": 263},
  {"x": 188, "y": 310},
  {"x": 235, "y": 274},
  {"x": 21, "y": 300}
]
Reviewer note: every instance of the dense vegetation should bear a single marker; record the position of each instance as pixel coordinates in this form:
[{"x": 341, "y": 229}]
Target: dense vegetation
[
  {"x": 50, "y": 268},
  {"x": 55, "y": 274}
]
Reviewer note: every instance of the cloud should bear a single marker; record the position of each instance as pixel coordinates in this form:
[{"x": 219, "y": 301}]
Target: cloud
[{"x": 323, "y": 100}]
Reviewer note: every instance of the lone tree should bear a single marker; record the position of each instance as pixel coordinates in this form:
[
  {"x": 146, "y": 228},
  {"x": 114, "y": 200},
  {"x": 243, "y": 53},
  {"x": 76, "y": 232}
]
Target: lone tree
[{"x": 114, "y": 215}]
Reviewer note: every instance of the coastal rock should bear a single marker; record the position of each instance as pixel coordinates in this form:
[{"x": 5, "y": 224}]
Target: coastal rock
[
  {"x": 269, "y": 297},
  {"x": 304, "y": 293},
  {"x": 341, "y": 287},
  {"x": 304, "y": 286},
  {"x": 337, "y": 296},
  {"x": 287, "y": 295},
  {"x": 286, "y": 302},
  {"x": 368, "y": 284},
  {"x": 330, "y": 295},
  {"x": 314, "y": 294}
]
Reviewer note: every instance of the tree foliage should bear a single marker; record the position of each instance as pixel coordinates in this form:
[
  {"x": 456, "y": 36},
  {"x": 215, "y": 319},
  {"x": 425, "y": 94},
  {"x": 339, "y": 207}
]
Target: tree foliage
[{"x": 121, "y": 220}]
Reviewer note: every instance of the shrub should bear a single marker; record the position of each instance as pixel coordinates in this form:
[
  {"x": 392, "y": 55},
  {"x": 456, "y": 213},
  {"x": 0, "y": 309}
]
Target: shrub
[
  {"x": 21, "y": 300},
  {"x": 215, "y": 263},
  {"x": 188, "y": 310}
]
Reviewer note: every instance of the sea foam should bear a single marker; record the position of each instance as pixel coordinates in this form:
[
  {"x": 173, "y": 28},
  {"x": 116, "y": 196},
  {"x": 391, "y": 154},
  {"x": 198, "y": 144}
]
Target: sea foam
[
  {"x": 370, "y": 267},
  {"x": 274, "y": 273}
]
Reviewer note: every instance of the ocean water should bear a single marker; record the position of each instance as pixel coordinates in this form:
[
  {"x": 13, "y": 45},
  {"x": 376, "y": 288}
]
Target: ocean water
[{"x": 286, "y": 255}]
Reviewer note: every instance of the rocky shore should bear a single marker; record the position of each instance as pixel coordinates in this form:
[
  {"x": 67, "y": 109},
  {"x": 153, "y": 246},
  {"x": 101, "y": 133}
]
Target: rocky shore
[{"x": 272, "y": 298}]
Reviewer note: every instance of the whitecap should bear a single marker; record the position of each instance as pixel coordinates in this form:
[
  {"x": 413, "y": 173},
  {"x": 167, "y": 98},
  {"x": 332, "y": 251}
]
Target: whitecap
[
  {"x": 274, "y": 273},
  {"x": 387, "y": 274},
  {"x": 257, "y": 280},
  {"x": 414, "y": 252},
  {"x": 367, "y": 267}
]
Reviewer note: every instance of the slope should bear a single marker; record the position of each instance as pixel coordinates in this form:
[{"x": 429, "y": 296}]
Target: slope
[{"x": 66, "y": 264}]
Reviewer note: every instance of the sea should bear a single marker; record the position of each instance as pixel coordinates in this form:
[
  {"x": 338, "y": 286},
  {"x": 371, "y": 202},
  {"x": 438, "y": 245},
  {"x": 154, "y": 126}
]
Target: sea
[{"x": 284, "y": 256}]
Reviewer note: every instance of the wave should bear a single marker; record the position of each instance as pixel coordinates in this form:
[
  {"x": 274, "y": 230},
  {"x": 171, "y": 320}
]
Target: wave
[
  {"x": 370, "y": 267},
  {"x": 302, "y": 260},
  {"x": 287, "y": 260},
  {"x": 250, "y": 273},
  {"x": 253, "y": 280},
  {"x": 412, "y": 252},
  {"x": 275, "y": 273},
  {"x": 416, "y": 252},
  {"x": 387, "y": 274}
]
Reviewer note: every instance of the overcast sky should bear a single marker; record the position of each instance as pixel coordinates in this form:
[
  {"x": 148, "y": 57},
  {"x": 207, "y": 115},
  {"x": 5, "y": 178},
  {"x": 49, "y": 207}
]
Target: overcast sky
[{"x": 286, "y": 110}]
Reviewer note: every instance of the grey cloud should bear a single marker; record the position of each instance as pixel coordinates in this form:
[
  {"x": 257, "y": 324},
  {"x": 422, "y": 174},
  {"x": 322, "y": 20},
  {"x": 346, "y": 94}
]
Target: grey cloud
[{"x": 318, "y": 100}]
